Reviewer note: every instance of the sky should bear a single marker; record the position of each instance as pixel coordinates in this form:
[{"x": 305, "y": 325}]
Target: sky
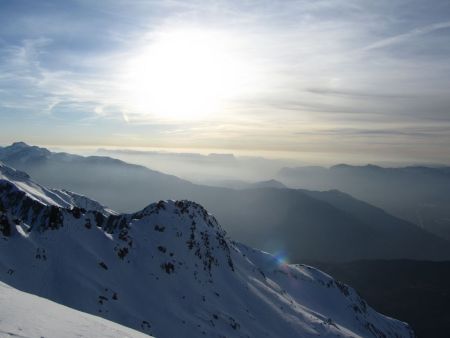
[{"x": 320, "y": 81}]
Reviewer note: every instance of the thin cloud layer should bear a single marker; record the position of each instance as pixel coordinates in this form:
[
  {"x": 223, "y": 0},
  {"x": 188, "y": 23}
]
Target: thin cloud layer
[{"x": 341, "y": 78}]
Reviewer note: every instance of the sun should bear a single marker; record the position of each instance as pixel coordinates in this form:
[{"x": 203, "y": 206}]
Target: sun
[{"x": 183, "y": 74}]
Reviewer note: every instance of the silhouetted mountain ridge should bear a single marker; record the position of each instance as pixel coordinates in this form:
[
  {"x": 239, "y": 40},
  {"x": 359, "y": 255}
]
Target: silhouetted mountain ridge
[
  {"x": 302, "y": 224},
  {"x": 417, "y": 194}
]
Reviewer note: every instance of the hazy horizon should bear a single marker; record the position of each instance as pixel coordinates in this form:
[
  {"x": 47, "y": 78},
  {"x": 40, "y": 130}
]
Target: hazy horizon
[
  {"x": 227, "y": 169},
  {"x": 320, "y": 82},
  {"x": 289, "y": 158}
]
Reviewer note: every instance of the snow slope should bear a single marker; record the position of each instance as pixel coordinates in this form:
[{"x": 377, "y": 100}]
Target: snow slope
[
  {"x": 171, "y": 271},
  {"x": 26, "y": 315}
]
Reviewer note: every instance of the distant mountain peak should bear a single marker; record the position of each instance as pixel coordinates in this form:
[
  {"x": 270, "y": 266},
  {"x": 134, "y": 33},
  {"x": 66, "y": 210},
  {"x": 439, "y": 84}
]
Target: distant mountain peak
[
  {"x": 22, "y": 152},
  {"x": 350, "y": 166},
  {"x": 20, "y": 144},
  {"x": 272, "y": 183}
]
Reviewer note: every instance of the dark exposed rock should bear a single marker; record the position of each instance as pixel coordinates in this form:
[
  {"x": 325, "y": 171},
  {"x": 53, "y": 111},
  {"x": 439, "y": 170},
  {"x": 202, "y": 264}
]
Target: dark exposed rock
[
  {"x": 5, "y": 226},
  {"x": 343, "y": 288},
  {"x": 76, "y": 212},
  {"x": 55, "y": 217},
  {"x": 168, "y": 267},
  {"x": 159, "y": 228},
  {"x": 122, "y": 252},
  {"x": 99, "y": 219}
]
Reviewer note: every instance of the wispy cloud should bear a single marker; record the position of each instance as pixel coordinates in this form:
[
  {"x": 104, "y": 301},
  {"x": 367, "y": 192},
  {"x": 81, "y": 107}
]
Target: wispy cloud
[
  {"x": 340, "y": 69},
  {"x": 399, "y": 38}
]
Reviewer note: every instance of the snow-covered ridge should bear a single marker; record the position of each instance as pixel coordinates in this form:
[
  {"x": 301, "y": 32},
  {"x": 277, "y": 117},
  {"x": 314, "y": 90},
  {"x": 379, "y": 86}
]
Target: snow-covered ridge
[
  {"x": 19, "y": 181},
  {"x": 12, "y": 174},
  {"x": 83, "y": 202},
  {"x": 171, "y": 271}
]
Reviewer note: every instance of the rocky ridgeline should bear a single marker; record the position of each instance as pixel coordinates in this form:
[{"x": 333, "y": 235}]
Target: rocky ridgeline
[
  {"x": 16, "y": 207},
  {"x": 199, "y": 231},
  {"x": 182, "y": 229}
]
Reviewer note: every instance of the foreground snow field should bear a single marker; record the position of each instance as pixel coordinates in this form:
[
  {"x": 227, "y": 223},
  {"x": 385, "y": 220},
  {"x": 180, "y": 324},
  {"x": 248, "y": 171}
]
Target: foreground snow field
[
  {"x": 26, "y": 315},
  {"x": 168, "y": 270}
]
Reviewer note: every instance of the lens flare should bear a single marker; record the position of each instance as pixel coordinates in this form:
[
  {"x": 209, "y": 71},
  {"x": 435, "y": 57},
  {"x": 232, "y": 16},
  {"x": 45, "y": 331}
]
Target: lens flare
[{"x": 281, "y": 259}]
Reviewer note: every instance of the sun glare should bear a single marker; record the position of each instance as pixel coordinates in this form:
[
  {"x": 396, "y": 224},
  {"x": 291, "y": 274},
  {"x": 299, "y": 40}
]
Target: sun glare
[{"x": 183, "y": 75}]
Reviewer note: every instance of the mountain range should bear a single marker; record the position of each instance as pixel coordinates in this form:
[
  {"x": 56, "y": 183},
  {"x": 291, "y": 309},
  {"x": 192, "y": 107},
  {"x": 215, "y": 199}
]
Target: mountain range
[
  {"x": 418, "y": 194},
  {"x": 300, "y": 224},
  {"x": 169, "y": 270}
]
